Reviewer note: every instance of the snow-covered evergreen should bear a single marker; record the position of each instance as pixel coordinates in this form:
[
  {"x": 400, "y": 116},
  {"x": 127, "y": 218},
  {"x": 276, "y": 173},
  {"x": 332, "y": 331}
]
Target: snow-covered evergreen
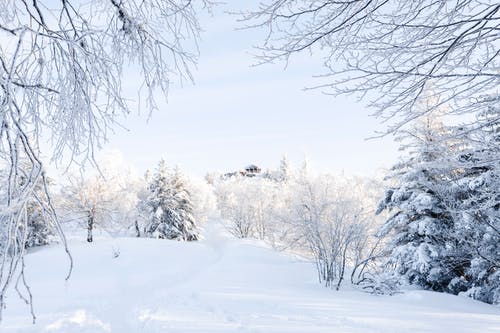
[
  {"x": 171, "y": 209},
  {"x": 474, "y": 199},
  {"x": 444, "y": 227},
  {"x": 419, "y": 225}
]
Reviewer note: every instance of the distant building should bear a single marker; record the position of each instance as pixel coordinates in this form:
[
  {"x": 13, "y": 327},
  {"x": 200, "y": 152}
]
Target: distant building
[{"x": 250, "y": 171}]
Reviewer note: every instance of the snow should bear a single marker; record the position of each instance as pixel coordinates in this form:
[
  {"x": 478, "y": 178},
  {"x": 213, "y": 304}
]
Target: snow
[{"x": 219, "y": 284}]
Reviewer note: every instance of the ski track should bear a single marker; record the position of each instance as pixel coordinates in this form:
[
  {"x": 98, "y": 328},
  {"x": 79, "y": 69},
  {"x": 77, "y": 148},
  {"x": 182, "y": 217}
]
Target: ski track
[{"x": 217, "y": 285}]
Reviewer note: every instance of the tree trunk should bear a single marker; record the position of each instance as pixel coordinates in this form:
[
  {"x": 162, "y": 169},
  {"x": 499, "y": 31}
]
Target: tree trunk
[
  {"x": 342, "y": 269},
  {"x": 90, "y": 227},
  {"x": 137, "y": 230}
]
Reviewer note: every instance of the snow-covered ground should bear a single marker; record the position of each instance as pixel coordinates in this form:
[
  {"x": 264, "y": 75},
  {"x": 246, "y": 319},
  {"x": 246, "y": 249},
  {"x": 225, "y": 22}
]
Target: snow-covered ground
[{"x": 218, "y": 285}]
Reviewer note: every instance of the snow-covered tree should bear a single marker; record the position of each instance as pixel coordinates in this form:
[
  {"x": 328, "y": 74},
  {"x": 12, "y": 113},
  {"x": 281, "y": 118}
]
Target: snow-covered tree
[
  {"x": 36, "y": 230},
  {"x": 246, "y": 203},
  {"x": 474, "y": 200},
  {"x": 39, "y": 232},
  {"x": 106, "y": 199},
  {"x": 89, "y": 200},
  {"x": 444, "y": 224},
  {"x": 202, "y": 198},
  {"x": 420, "y": 247},
  {"x": 233, "y": 209},
  {"x": 171, "y": 209},
  {"x": 27, "y": 219},
  {"x": 284, "y": 172},
  {"x": 334, "y": 223}
]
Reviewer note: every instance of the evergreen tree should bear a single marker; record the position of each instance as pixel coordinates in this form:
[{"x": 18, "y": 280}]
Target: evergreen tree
[
  {"x": 445, "y": 221},
  {"x": 474, "y": 199},
  {"x": 420, "y": 248},
  {"x": 171, "y": 208},
  {"x": 284, "y": 170}
]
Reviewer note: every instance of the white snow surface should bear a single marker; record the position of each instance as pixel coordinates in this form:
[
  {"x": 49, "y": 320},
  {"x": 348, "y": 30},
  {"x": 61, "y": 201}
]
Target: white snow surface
[{"x": 219, "y": 284}]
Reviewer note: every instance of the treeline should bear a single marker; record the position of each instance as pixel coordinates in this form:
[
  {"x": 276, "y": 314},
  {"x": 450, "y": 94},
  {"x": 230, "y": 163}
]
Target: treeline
[
  {"x": 436, "y": 225},
  {"x": 165, "y": 203},
  {"x": 113, "y": 202}
]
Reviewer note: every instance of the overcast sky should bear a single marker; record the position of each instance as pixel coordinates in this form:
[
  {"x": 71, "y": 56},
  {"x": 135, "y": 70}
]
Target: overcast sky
[{"x": 236, "y": 114}]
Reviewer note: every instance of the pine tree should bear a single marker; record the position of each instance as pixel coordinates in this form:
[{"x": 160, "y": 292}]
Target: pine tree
[
  {"x": 445, "y": 221},
  {"x": 284, "y": 170},
  {"x": 171, "y": 214},
  {"x": 474, "y": 199},
  {"x": 420, "y": 248}
]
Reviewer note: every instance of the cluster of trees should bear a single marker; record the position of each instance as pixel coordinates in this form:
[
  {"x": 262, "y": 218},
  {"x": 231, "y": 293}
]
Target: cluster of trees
[
  {"x": 327, "y": 217},
  {"x": 437, "y": 226},
  {"x": 444, "y": 224},
  {"x": 106, "y": 199},
  {"x": 165, "y": 204}
]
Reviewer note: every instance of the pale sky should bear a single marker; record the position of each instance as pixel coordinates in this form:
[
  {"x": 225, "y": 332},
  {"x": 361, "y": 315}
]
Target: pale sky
[{"x": 236, "y": 114}]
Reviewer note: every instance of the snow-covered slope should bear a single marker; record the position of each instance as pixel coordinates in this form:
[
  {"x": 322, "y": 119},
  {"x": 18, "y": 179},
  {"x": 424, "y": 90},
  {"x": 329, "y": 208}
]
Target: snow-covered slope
[{"x": 217, "y": 285}]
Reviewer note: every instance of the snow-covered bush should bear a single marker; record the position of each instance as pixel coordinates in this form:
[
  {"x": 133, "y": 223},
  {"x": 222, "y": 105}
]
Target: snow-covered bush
[
  {"x": 335, "y": 221},
  {"x": 381, "y": 282}
]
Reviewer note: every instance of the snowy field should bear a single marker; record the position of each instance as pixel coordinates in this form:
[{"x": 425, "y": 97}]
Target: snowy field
[{"x": 218, "y": 285}]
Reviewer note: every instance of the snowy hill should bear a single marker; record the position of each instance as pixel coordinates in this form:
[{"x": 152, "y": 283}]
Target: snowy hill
[{"x": 218, "y": 285}]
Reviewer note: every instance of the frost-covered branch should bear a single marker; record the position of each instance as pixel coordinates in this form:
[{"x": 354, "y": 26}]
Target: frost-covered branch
[{"x": 394, "y": 51}]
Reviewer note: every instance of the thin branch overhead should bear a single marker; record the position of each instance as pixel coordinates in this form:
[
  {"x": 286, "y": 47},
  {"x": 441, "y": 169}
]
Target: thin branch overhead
[{"x": 395, "y": 52}]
